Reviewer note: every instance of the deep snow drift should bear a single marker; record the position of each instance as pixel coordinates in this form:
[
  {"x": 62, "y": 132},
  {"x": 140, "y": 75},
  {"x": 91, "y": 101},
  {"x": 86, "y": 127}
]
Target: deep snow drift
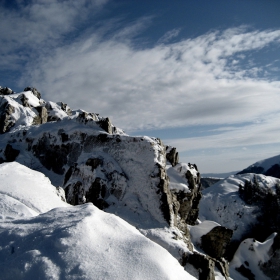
[{"x": 41, "y": 237}]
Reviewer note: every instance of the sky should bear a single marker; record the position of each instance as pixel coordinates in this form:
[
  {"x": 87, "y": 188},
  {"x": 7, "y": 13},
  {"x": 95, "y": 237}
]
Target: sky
[{"x": 201, "y": 75}]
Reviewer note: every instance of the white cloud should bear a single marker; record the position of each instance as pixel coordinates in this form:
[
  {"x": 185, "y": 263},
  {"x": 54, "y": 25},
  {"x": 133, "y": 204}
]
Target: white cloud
[
  {"x": 196, "y": 81},
  {"x": 264, "y": 132},
  {"x": 38, "y": 26},
  {"x": 171, "y": 85}
]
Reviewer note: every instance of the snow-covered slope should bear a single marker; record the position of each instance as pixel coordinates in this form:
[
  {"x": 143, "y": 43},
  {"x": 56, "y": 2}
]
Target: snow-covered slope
[
  {"x": 222, "y": 203},
  {"x": 250, "y": 258},
  {"x": 69, "y": 242},
  {"x": 269, "y": 166}
]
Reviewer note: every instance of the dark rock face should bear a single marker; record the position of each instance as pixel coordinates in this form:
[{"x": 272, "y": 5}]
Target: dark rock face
[
  {"x": 273, "y": 171},
  {"x": 252, "y": 169},
  {"x": 6, "y": 121},
  {"x": 188, "y": 207},
  {"x": 106, "y": 124},
  {"x": 10, "y": 153},
  {"x": 172, "y": 155},
  {"x": 42, "y": 115},
  {"x": 214, "y": 243},
  {"x": 5, "y": 91},
  {"x": 204, "y": 264}
]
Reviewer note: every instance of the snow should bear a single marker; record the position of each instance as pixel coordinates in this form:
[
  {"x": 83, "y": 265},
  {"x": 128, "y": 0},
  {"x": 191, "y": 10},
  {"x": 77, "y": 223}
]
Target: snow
[
  {"x": 32, "y": 190},
  {"x": 47, "y": 239},
  {"x": 32, "y": 99},
  {"x": 177, "y": 182},
  {"x": 221, "y": 203},
  {"x": 267, "y": 163},
  {"x": 251, "y": 254}
]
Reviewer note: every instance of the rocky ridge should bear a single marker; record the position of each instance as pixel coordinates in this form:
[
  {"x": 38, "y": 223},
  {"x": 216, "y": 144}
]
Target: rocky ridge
[{"x": 94, "y": 161}]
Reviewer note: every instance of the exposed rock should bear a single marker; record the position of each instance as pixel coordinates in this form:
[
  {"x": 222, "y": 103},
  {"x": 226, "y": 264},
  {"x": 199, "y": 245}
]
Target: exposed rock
[
  {"x": 65, "y": 108},
  {"x": 6, "y": 110},
  {"x": 189, "y": 201},
  {"x": 5, "y": 91},
  {"x": 34, "y": 91},
  {"x": 204, "y": 264},
  {"x": 10, "y": 153},
  {"x": 24, "y": 101},
  {"x": 172, "y": 155},
  {"x": 214, "y": 243},
  {"x": 106, "y": 124},
  {"x": 42, "y": 116}
]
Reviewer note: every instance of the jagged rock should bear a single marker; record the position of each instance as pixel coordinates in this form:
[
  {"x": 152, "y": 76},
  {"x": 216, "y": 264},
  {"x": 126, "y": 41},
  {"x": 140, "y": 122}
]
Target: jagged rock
[
  {"x": 11, "y": 153},
  {"x": 172, "y": 155},
  {"x": 6, "y": 91},
  {"x": 6, "y": 110},
  {"x": 189, "y": 201},
  {"x": 106, "y": 124},
  {"x": 214, "y": 243},
  {"x": 42, "y": 116},
  {"x": 24, "y": 101},
  {"x": 204, "y": 264},
  {"x": 34, "y": 91},
  {"x": 65, "y": 108}
]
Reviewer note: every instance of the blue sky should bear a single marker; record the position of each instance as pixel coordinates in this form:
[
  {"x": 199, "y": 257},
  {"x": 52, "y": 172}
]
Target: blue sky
[{"x": 201, "y": 75}]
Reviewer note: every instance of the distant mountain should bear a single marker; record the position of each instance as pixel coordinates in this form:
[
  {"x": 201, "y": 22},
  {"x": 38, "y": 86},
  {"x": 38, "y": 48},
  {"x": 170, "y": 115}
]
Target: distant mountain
[
  {"x": 269, "y": 167},
  {"x": 218, "y": 175}
]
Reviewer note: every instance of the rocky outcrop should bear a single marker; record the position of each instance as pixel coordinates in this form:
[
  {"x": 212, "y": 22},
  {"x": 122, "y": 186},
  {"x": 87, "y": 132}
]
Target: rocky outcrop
[
  {"x": 106, "y": 124},
  {"x": 5, "y": 91},
  {"x": 42, "y": 116},
  {"x": 214, "y": 243},
  {"x": 172, "y": 155},
  {"x": 188, "y": 202},
  {"x": 6, "y": 121},
  {"x": 10, "y": 153}
]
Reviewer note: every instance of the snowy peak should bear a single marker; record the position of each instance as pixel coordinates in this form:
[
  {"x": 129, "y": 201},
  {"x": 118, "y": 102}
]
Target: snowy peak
[
  {"x": 269, "y": 167},
  {"x": 27, "y": 108}
]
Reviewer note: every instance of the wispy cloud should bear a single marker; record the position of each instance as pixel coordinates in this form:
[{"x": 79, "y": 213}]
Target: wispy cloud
[
  {"x": 32, "y": 28},
  {"x": 100, "y": 68},
  {"x": 185, "y": 83},
  {"x": 169, "y": 35}
]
